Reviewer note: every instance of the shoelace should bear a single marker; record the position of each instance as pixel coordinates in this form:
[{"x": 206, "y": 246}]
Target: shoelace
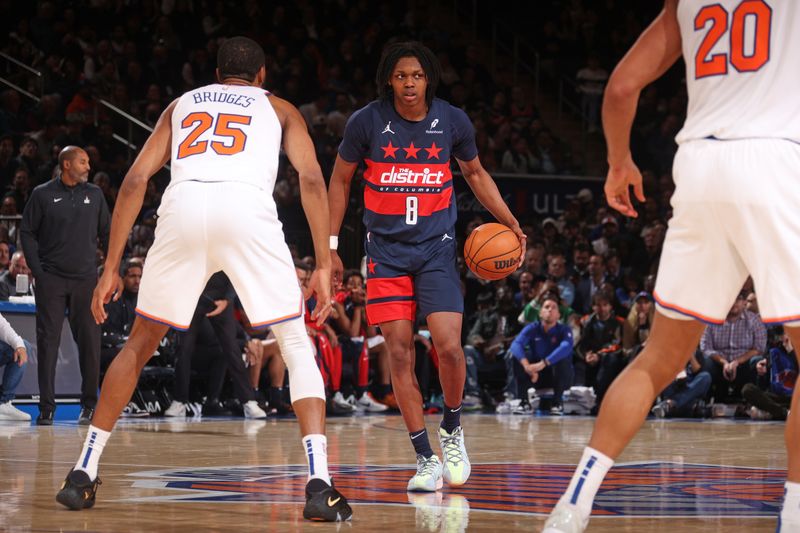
[
  {"x": 452, "y": 449},
  {"x": 427, "y": 467}
]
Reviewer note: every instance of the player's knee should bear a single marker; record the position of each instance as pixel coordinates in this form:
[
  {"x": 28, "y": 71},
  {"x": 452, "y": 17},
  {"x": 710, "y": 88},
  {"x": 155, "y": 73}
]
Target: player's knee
[
  {"x": 305, "y": 380},
  {"x": 450, "y": 350}
]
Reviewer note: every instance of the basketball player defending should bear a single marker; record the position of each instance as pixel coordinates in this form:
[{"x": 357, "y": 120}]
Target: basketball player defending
[
  {"x": 217, "y": 213},
  {"x": 406, "y": 139},
  {"x": 735, "y": 207}
]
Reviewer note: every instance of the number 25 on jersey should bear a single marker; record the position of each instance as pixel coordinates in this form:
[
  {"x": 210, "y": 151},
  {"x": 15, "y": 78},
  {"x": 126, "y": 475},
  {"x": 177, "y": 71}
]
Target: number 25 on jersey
[
  {"x": 232, "y": 141},
  {"x": 748, "y": 36}
]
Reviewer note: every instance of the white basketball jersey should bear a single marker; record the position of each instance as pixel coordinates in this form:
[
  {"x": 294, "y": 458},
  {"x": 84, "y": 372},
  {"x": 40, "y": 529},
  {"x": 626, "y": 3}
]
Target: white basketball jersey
[
  {"x": 226, "y": 133},
  {"x": 742, "y": 68}
]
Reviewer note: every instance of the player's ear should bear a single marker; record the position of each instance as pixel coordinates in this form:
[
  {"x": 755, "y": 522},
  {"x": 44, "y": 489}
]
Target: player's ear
[
  {"x": 261, "y": 76},
  {"x": 216, "y": 71}
]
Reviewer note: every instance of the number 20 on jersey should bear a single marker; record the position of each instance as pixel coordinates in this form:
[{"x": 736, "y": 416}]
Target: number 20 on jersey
[{"x": 748, "y": 50}]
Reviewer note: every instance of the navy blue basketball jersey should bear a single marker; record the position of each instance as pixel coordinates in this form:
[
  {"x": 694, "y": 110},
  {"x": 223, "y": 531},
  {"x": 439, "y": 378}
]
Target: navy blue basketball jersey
[{"x": 408, "y": 189}]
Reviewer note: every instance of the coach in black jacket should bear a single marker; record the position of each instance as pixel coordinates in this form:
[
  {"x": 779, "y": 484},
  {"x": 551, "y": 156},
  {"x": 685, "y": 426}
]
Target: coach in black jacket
[{"x": 61, "y": 226}]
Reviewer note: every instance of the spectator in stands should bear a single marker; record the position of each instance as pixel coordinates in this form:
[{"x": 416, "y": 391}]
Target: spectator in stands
[
  {"x": 13, "y": 356},
  {"x": 579, "y": 270},
  {"x": 266, "y": 354},
  {"x": 519, "y": 159},
  {"x": 492, "y": 332},
  {"x": 8, "y": 280},
  {"x": 728, "y": 347},
  {"x": 342, "y": 109},
  {"x": 521, "y": 109},
  {"x": 557, "y": 271},
  {"x": 216, "y": 306},
  {"x": 118, "y": 324},
  {"x": 637, "y": 326},
  {"x": 20, "y": 188},
  {"x": 599, "y": 356},
  {"x": 529, "y": 286},
  {"x": 534, "y": 257},
  {"x": 5, "y": 253},
  {"x": 28, "y": 157},
  {"x": 8, "y": 164},
  {"x": 121, "y": 313},
  {"x": 609, "y": 235},
  {"x": 773, "y": 401},
  {"x": 685, "y": 396},
  {"x": 588, "y": 286},
  {"x": 591, "y": 80},
  {"x": 549, "y": 289},
  {"x": 350, "y": 324},
  {"x": 541, "y": 354}
]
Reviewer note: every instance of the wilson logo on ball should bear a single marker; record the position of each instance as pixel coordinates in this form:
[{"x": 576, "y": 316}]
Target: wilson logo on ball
[
  {"x": 492, "y": 251},
  {"x": 502, "y": 265}
]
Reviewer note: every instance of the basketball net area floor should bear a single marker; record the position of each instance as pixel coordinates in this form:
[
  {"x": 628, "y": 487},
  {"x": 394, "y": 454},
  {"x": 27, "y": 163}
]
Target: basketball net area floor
[{"x": 248, "y": 475}]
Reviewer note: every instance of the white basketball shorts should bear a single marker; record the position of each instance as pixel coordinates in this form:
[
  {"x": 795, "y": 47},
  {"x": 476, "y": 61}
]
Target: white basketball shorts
[
  {"x": 735, "y": 212},
  {"x": 207, "y": 227}
]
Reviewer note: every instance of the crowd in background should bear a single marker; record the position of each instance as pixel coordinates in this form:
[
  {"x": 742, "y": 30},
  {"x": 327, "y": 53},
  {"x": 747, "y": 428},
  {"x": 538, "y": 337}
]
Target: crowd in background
[{"x": 597, "y": 268}]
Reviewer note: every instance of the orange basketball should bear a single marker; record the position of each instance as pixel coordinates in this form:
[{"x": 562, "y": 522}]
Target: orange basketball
[{"x": 492, "y": 251}]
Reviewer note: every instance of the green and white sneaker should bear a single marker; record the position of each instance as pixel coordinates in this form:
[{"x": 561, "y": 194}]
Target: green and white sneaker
[
  {"x": 429, "y": 475},
  {"x": 454, "y": 454}
]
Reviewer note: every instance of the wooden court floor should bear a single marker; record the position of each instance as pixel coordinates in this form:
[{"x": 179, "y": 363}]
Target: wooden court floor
[{"x": 237, "y": 475}]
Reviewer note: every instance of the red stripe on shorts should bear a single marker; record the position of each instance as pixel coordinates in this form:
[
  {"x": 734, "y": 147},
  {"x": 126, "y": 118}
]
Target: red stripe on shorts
[
  {"x": 388, "y": 287},
  {"x": 388, "y": 311}
]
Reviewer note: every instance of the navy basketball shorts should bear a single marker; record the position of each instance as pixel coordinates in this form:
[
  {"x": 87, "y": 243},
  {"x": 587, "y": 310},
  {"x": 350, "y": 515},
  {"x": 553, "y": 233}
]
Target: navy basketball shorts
[{"x": 403, "y": 276}]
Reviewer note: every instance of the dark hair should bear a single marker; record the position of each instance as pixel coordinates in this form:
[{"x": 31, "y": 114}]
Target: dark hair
[
  {"x": 129, "y": 264},
  {"x": 239, "y": 57},
  {"x": 393, "y": 52},
  {"x": 302, "y": 265},
  {"x": 601, "y": 297},
  {"x": 349, "y": 274}
]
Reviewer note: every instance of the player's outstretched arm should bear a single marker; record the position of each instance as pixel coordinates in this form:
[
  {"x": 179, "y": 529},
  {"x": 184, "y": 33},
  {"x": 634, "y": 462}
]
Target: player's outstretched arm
[
  {"x": 654, "y": 52},
  {"x": 487, "y": 194},
  {"x": 338, "y": 195},
  {"x": 299, "y": 149},
  {"x": 153, "y": 156}
]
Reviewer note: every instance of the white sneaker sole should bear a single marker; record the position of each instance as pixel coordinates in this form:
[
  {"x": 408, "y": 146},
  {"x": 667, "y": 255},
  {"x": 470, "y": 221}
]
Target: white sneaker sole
[{"x": 421, "y": 488}]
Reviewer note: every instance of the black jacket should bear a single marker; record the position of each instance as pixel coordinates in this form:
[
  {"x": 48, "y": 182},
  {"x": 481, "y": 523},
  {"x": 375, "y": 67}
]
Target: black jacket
[{"x": 61, "y": 227}]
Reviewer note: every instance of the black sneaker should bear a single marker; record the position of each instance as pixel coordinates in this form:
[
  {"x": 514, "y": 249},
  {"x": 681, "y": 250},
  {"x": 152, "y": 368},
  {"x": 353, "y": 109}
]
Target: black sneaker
[
  {"x": 325, "y": 504},
  {"x": 85, "y": 418},
  {"x": 45, "y": 418},
  {"x": 78, "y": 491}
]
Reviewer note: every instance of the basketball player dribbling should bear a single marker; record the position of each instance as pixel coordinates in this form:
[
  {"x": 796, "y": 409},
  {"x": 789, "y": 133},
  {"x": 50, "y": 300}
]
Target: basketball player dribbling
[
  {"x": 406, "y": 139},
  {"x": 217, "y": 213},
  {"x": 737, "y": 176}
]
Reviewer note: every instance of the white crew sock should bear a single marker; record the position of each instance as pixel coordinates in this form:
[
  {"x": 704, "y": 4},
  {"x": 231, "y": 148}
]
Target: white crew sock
[
  {"x": 92, "y": 449},
  {"x": 316, "y": 447},
  {"x": 587, "y": 479},
  {"x": 790, "y": 513}
]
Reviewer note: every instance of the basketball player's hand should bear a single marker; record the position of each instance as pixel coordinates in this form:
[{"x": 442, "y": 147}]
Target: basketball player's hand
[
  {"x": 618, "y": 183},
  {"x": 321, "y": 285},
  {"x": 336, "y": 270},
  {"x": 108, "y": 286},
  {"x": 523, "y": 242}
]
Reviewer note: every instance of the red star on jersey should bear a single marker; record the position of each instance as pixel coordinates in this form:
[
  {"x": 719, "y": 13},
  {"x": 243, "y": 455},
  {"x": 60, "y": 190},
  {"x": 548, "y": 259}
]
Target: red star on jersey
[
  {"x": 389, "y": 151},
  {"x": 411, "y": 151},
  {"x": 371, "y": 265},
  {"x": 433, "y": 151}
]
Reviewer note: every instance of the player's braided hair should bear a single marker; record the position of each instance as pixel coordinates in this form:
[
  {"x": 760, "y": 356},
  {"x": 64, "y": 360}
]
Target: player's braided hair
[
  {"x": 239, "y": 57},
  {"x": 392, "y": 54}
]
